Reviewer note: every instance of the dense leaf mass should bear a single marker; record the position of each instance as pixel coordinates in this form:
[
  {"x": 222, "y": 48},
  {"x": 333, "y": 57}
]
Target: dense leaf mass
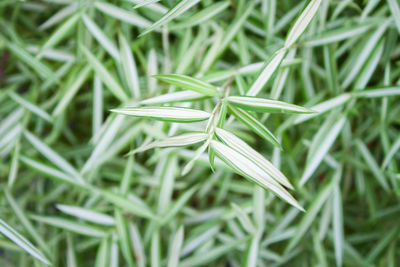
[{"x": 199, "y": 133}]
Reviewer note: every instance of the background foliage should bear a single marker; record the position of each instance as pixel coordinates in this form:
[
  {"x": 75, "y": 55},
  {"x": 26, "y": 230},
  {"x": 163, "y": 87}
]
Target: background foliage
[{"x": 71, "y": 197}]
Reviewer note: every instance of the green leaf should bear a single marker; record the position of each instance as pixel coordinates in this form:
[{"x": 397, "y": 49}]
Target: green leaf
[
  {"x": 312, "y": 212},
  {"x": 197, "y": 154},
  {"x": 239, "y": 145},
  {"x": 322, "y": 142},
  {"x": 373, "y": 166},
  {"x": 188, "y": 83},
  {"x": 179, "y": 8},
  {"x": 43, "y": 71},
  {"x": 22, "y": 242},
  {"x": 129, "y": 17},
  {"x": 71, "y": 91},
  {"x": 203, "y": 259},
  {"x": 53, "y": 157},
  {"x": 338, "y": 35},
  {"x": 123, "y": 237},
  {"x": 127, "y": 204},
  {"x": 254, "y": 124},
  {"x": 173, "y": 97},
  {"x": 323, "y": 107},
  {"x": 103, "y": 253},
  {"x": 145, "y": 3},
  {"x": 138, "y": 246},
  {"x": 30, "y": 106},
  {"x": 105, "y": 75},
  {"x": 69, "y": 225},
  {"x": 129, "y": 66},
  {"x": 61, "y": 32},
  {"x": 173, "y": 114},
  {"x": 202, "y": 16},
  {"x": 179, "y": 140},
  {"x": 178, "y": 205},
  {"x": 50, "y": 172},
  {"x": 244, "y": 219},
  {"x": 266, "y": 105},
  {"x": 175, "y": 248},
  {"x": 338, "y": 225},
  {"x": 23, "y": 218},
  {"x": 270, "y": 67},
  {"x": 248, "y": 169},
  {"x": 302, "y": 22},
  {"x": 395, "y": 10},
  {"x": 86, "y": 214},
  {"x": 101, "y": 37},
  {"x": 378, "y": 92}
]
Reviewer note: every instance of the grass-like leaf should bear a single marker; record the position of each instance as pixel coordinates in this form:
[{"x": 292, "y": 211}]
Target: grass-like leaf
[
  {"x": 105, "y": 76},
  {"x": 180, "y": 140},
  {"x": 175, "y": 248},
  {"x": 61, "y": 32},
  {"x": 22, "y": 242},
  {"x": 53, "y": 157},
  {"x": 181, "y": 96},
  {"x": 254, "y": 124},
  {"x": 302, "y": 22},
  {"x": 202, "y": 16},
  {"x": 236, "y": 143},
  {"x": 312, "y": 212},
  {"x": 172, "y": 114},
  {"x": 188, "y": 83},
  {"x": 247, "y": 168},
  {"x": 266, "y": 73},
  {"x": 43, "y": 71},
  {"x": 101, "y": 37},
  {"x": 70, "y": 225},
  {"x": 122, "y": 14},
  {"x": 86, "y": 214},
  {"x": 266, "y": 105},
  {"x": 179, "y": 8},
  {"x": 321, "y": 143}
]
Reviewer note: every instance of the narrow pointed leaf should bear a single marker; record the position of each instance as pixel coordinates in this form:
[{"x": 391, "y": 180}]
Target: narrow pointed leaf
[
  {"x": 312, "y": 212},
  {"x": 122, "y": 14},
  {"x": 69, "y": 225},
  {"x": 174, "y": 12},
  {"x": 202, "y": 16},
  {"x": 302, "y": 22},
  {"x": 30, "y": 106},
  {"x": 53, "y": 157},
  {"x": 198, "y": 153},
  {"x": 105, "y": 76},
  {"x": 248, "y": 169},
  {"x": 239, "y": 145},
  {"x": 371, "y": 162},
  {"x": 395, "y": 10},
  {"x": 129, "y": 66},
  {"x": 101, "y": 37},
  {"x": 321, "y": 144},
  {"x": 244, "y": 219},
  {"x": 87, "y": 214},
  {"x": 44, "y": 71},
  {"x": 179, "y": 140},
  {"x": 254, "y": 124},
  {"x": 266, "y": 73},
  {"x": 188, "y": 83},
  {"x": 173, "y": 97},
  {"x": 175, "y": 248},
  {"x": 22, "y": 242},
  {"x": 266, "y": 105},
  {"x": 61, "y": 32},
  {"x": 172, "y": 114}
]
